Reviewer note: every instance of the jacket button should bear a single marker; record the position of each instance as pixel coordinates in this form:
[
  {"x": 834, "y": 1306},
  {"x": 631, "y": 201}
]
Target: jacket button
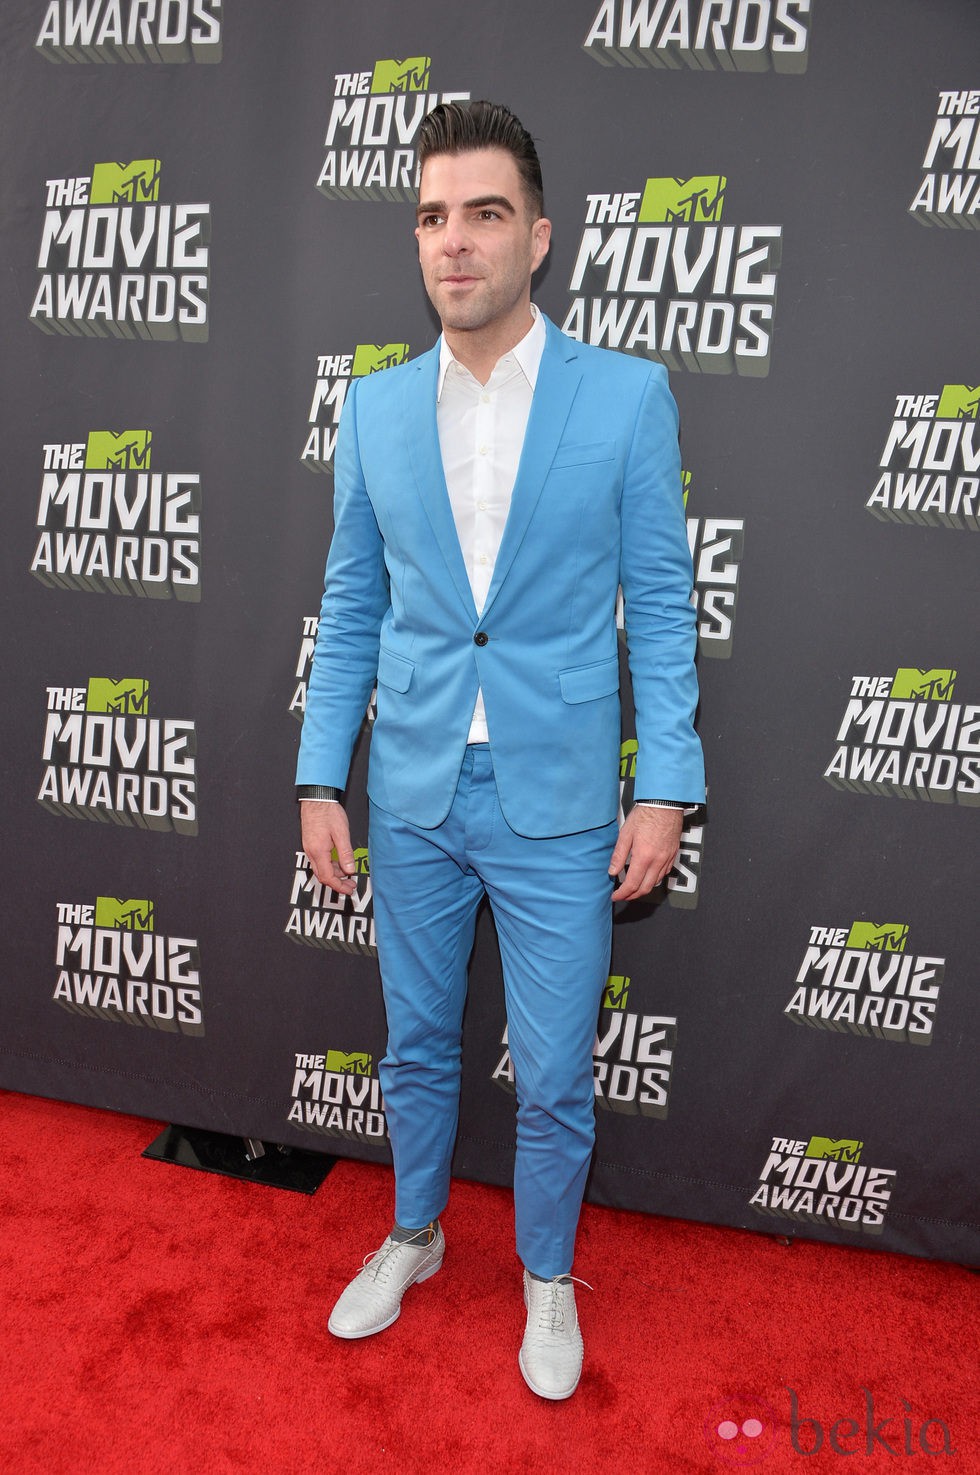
[{"x": 481, "y": 638}]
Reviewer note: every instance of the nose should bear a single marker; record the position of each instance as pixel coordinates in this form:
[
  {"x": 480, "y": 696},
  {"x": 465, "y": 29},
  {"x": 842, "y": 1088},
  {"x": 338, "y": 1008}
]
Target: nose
[{"x": 456, "y": 240}]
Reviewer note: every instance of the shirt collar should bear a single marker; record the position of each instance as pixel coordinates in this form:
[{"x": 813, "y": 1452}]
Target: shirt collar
[{"x": 527, "y": 353}]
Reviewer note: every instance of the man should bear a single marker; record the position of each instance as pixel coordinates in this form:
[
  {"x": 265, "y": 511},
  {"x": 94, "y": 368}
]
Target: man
[{"x": 491, "y": 498}]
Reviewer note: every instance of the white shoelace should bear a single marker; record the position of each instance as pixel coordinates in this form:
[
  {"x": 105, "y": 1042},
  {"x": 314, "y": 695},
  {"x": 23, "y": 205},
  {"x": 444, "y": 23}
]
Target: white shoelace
[
  {"x": 373, "y": 1265},
  {"x": 551, "y": 1313}
]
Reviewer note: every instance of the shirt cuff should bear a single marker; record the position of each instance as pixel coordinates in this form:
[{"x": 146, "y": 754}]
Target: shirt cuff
[
  {"x": 325, "y": 793},
  {"x": 665, "y": 804}
]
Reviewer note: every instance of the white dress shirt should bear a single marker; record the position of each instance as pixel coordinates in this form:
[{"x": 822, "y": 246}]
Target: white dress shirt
[{"x": 481, "y": 436}]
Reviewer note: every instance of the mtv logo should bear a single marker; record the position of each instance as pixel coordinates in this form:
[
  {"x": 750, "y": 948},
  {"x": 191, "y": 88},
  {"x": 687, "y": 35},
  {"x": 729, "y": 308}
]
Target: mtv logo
[
  {"x": 356, "y": 1064},
  {"x": 698, "y": 198},
  {"x": 362, "y": 865},
  {"x": 369, "y": 358},
  {"x": 878, "y": 937},
  {"x": 118, "y": 450},
  {"x": 118, "y": 911},
  {"x": 685, "y": 485},
  {"x": 616, "y": 991},
  {"x": 410, "y": 75},
  {"x": 627, "y": 758},
  {"x": 130, "y": 184},
  {"x": 129, "y": 694},
  {"x": 841, "y": 1149},
  {"x": 958, "y": 402},
  {"x": 935, "y": 685}
]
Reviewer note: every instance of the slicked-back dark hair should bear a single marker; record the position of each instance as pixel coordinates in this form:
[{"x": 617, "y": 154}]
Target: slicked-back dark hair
[{"x": 460, "y": 127}]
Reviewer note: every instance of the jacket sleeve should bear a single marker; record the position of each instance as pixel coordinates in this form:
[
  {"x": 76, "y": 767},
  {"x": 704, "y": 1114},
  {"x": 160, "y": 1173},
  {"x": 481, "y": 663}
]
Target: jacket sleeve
[
  {"x": 355, "y": 600},
  {"x": 657, "y": 582}
]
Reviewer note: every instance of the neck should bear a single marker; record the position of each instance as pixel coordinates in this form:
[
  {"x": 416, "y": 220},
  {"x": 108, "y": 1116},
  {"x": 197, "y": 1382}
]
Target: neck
[{"x": 480, "y": 349}]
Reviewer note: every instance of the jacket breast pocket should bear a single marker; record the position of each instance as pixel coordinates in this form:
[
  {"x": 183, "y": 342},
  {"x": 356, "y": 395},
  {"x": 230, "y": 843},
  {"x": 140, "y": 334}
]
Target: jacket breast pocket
[
  {"x": 588, "y": 683},
  {"x": 394, "y": 670},
  {"x": 583, "y": 455}
]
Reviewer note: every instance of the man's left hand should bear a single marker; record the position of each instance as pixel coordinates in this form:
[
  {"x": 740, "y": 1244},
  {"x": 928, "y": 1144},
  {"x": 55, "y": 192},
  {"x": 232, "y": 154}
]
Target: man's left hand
[{"x": 649, "y": 841}]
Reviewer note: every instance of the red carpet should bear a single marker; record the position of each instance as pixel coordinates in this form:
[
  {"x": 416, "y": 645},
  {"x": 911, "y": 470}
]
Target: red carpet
[{"x": 170, "y": 1322}]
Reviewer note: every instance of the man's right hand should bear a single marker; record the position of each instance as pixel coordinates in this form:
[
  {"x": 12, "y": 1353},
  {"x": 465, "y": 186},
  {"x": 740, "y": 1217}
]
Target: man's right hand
[{"x": 325, "y": 831}]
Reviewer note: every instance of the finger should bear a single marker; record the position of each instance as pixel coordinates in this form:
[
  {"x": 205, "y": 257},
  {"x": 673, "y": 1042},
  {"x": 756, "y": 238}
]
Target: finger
[
  {"x": 328, "y": 872},
  {"x": 643, "y": 875},
  {"x": 630, "y": 890},
  {"x": 629, "y": 887},
  {"x": 334, "y": 881},
  {"x": 344, "y": 875},
  {"x": 625, "y": 892},
  {"x": 343, "y": 869},
  {"x": 340, "y": 881}
]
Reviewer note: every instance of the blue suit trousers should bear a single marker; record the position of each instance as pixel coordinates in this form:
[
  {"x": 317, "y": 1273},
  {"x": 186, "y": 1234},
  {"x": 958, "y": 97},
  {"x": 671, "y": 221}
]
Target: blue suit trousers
[{"x": 550, "y": 900}]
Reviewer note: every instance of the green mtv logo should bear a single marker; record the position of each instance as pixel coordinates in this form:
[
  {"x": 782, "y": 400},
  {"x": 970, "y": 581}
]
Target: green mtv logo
[
  {"x": 841, "y": 1149},
  {"x": 118, "y": 450},
  {"x": 410, "y": 75},
  {"x": 627, "y": 758},
  {"x": 130, "y": 694},
  {"x": 125, "y": 184},
  {"x": 370, "y": 357},
  {"x": 878, "y": 937},
  {"x": 935, "y": 685},
  {"x": 616, "y": 991},
  {"x": 685, "y": 486},
  {"x": 355, "y": 1064},
  {"x": 118, "y": 911},
  {"x": 959, "y": 402},
  {"x": 698, "y": 198}
]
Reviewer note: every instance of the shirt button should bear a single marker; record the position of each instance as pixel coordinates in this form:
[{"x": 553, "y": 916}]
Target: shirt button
[
  {"x": 483, "y": 558},
  {"x": 483, "y": 450},
  {"x": 481, "y": 638},
  {"x": 482, "y": 506},
  {"x": 485, "y": 398}
]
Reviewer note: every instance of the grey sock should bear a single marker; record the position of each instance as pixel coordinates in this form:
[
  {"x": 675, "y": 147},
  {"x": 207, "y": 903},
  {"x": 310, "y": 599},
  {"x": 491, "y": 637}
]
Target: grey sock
[
  {"x": 547, "y": 1279},
  {"x": 421, "y": 1237}
]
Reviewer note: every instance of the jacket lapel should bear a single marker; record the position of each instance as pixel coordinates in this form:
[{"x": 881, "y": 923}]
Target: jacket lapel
[
  {"x": 422, "y": 436},
  {"x": 558, "y": 379}
]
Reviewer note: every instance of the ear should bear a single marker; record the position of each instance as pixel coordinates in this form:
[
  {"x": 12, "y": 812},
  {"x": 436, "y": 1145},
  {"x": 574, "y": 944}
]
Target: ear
[{"x": 540, "y": 242}]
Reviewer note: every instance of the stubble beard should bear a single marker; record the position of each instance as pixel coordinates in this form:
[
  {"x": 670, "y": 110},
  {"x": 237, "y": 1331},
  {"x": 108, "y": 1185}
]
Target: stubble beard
[
  {"x": 463, "y": 314},
  {"x": 488, "y": 303}
]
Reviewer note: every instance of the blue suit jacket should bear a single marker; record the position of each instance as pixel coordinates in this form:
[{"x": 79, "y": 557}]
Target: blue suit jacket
[{"x": 597, "y": 503}]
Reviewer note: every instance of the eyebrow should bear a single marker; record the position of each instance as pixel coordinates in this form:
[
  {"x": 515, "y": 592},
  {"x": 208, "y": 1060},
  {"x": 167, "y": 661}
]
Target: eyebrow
[{"x": 438, "y": 207}]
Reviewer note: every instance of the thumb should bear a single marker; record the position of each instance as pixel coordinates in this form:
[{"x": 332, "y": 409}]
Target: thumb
[
  {"x": 620, "y": 853},
  {"x": 343, "y": 852}
]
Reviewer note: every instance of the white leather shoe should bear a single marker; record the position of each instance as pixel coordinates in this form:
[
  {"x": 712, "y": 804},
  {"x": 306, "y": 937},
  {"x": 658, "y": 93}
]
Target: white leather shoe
[
  {"x": 551, "y": 1353},
  {"x": 373, "y": 1299}
]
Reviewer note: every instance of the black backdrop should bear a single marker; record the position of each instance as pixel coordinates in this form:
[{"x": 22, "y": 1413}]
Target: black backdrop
[{"x": 789, "y": 1036}]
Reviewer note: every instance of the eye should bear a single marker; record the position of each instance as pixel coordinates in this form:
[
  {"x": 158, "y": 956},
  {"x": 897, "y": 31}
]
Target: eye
[
  {"x": 488, "y": 214},
  {"x": 429, "y": 220}
]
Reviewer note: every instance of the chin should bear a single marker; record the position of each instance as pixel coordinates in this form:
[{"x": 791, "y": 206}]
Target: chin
[{"x": 461, "y": 322}]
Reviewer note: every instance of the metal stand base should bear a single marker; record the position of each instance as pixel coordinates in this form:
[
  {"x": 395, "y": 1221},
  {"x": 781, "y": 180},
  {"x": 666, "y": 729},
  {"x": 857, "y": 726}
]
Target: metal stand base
[{"x": 242, "y": 1157}]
